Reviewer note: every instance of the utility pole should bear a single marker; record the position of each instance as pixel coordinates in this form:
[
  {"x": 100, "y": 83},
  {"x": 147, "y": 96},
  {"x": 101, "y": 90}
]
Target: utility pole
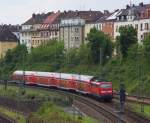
[
  {"x": 100, "y": 62},
  {"x": 140, "y": 81},
  {"x": 122, "y": 90},
  {"x": 22, "y": 84},
  {"x": 100, "y": 57}
]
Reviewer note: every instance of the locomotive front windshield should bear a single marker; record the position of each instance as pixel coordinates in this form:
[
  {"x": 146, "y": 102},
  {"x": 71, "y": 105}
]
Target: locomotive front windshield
[
  {"x": 97, "y": 79},
  {"x": 106, "y": 86}
]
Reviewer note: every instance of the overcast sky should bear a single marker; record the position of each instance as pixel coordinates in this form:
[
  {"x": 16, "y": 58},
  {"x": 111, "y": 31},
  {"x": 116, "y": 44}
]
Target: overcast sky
[{"x": 18, "y": 11}]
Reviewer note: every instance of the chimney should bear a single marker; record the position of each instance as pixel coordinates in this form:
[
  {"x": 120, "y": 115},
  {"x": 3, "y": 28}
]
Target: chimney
[
  {"x": 106, "y": 12},
  {"x": 141, "y": 4},
  {"x": 33, "y": 15},
  {"x": 127, "y": 6}
]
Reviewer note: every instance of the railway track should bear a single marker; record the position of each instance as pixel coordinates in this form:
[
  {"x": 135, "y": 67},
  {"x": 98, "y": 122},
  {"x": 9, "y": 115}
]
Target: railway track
[
  {"x": 101, "y": 110},
  {"x": 105, "y": 110},
  {"x": 133, "y": 98}
]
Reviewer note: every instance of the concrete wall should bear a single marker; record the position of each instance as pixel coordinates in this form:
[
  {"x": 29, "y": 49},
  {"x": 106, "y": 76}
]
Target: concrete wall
[{"x": 72, "y": 36}]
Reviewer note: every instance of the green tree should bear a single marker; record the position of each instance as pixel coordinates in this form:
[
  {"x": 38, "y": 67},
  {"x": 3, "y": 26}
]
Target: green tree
[
  {"x": 84, "y": 54},
  {"x": 99, "y": 42},
  {"x": 128, "y": 37},
  {"x": 71, "y": 57},
  {"x": 146, "y": 44},
  {"x": 50, "y": 54},
  {"x": 12, "y": 60}
]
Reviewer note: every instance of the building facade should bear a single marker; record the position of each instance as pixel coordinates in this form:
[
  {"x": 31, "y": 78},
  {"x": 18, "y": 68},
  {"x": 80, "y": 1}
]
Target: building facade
[
  {"x": 142, "y": 26},
  {"x": 72, "y": 32},
  {"x": 7, "y": 41},
  {"x": 29, "y": 30},
  {"x": 136, "y": 16},
  {"x": 49, "y": 30}
]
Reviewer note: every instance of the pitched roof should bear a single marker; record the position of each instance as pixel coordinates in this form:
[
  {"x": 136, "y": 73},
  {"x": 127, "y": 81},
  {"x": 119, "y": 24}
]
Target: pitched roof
[
  {"x": 88, "y": 16},
  {"x": 12, "y": 28},
  {"x": 47, "y": 24},
  {"x": 109, "y": 17},
  {"x": 7, "y": 35},
  {"x": 37, "y": 19},
  {"x": 51, "y": 18},
  {"x": 134, "y": 10}
]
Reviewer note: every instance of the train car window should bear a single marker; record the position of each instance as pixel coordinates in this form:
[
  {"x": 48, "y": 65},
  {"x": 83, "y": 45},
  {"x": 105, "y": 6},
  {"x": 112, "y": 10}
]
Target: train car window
[{"x": 106, "y": 86}]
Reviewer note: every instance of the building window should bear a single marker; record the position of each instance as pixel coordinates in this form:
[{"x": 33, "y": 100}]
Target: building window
[
  {"x": 141, "y": 27},
  {"x": 116, "y": 28},
  {"x": 136, "y": 26},
  {"x": 76, "y": 30},
  {"x": 41, "y": 34},
  {"x": 76, "y": 38},
  {"x": 47, "y": 34},
  {"x": 146, "y": 26}
]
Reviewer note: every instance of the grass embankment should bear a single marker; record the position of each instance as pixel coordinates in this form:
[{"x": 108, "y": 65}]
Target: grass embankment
[
  {"x": 15, "y": 92},
  {"x": 13, "y": 115},
  {"x": 50, "y": 113},
  {"x": 136, "y": 107}
]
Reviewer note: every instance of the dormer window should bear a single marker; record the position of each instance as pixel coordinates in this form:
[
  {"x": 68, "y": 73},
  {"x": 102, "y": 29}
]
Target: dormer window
[{"x": 131, "y": 18}]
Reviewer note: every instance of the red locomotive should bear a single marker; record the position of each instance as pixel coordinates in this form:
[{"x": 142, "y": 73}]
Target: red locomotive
[{"x": 80, "y": 83}]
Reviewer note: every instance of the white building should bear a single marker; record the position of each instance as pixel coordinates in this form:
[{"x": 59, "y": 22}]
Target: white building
[
  {"x": 26, "y": 35},
  {"x": 142, "y": 26},
  {"x": 136, "y": 16},
  {"x": 29, "y": 28}
]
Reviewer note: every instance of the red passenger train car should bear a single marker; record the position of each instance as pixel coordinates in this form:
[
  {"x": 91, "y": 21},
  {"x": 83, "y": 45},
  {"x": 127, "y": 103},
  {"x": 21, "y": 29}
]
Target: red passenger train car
[{"x": 80, "y": 83}]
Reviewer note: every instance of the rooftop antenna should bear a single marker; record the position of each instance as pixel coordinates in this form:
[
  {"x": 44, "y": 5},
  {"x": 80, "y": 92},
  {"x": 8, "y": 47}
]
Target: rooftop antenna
[
  {"x": 82, "y": 5},
  {"x": 130, "y": 3}
]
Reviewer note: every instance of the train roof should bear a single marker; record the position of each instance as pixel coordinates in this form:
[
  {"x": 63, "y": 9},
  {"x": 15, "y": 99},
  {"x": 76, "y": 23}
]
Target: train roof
[{"x": 78, "y": 77}]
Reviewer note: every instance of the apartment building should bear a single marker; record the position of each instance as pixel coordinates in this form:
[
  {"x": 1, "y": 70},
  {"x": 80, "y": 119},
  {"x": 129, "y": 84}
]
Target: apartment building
[
  {"x": 7, "y": 41},
  {"x": 72, "y": 32},
  {"x": 47, "y": 31},
  {"x": 41, "y": 28},
  {"x": 29, "y": 29},
  {"x": 136, "y": 16},
  {"x": 106, "y": 23}
]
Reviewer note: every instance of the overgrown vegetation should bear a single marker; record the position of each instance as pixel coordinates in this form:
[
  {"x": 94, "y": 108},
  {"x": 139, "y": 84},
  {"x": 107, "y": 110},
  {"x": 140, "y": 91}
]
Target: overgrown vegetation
[
  {"x": 131, "y": 64},
  {"x": 136, "y": 107},
  {"x": 18, "y": 117},
  {"x": 50, "y": 113}
]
